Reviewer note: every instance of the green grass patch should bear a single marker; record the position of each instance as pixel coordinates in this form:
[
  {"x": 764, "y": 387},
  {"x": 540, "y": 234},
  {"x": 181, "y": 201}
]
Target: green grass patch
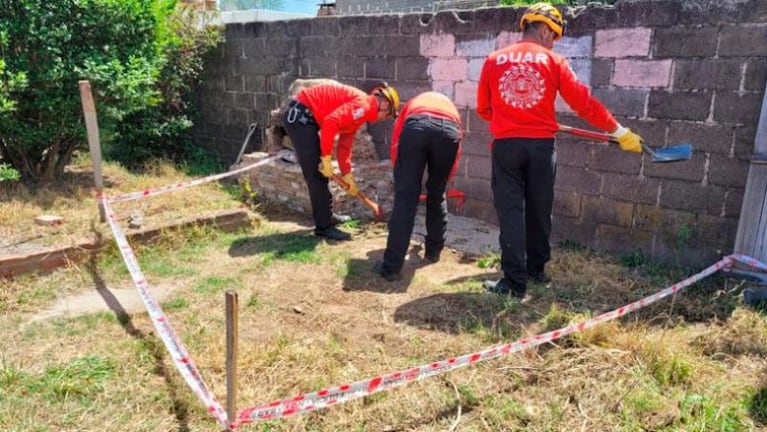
[
  {"x": 175, "y": 304},
  {"x": 215, "y": 284},
  {"x": 80, "y": 378}
]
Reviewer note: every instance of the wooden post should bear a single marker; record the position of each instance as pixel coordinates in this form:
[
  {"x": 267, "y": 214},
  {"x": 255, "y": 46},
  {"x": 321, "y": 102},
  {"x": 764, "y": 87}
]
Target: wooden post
[
  {"x": 751, "y": 238},
  {"x": 92, "y": 126},
  {"x": 232, "y": 342}
]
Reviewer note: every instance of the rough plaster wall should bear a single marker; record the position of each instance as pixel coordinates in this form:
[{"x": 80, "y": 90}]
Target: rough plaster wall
[{"x": 674, "y": 71}]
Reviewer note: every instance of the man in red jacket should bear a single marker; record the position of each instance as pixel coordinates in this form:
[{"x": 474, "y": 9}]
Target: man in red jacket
[
  {"x": 426, "y": 134},
  {"x": 313, "y": 119},
  {"x": 517, "y": 89}
]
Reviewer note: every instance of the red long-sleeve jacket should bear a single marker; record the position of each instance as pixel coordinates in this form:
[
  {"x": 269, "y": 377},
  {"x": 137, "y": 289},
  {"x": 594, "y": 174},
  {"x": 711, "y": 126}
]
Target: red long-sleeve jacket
[
  {"x": 517, "y": 89},
  {"x": 428, "y": 103},
  {"x": 339, "y": 110}
]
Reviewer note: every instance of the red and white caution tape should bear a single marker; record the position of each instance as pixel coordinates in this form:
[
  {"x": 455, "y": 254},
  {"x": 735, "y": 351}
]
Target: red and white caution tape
[
  {"x": 172, "y": 342},
  {"x": 186, "y": 184},
  {"x": 347, "y": 392}
]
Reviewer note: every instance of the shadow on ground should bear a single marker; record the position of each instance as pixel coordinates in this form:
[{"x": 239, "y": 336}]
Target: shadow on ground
[
  {"x": 291, "y": 246},
  {"x": 361, "y": 274}
]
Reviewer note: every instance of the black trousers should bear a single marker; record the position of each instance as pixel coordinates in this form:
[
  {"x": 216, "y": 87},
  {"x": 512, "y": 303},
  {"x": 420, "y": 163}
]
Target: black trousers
[
  {"x": 431, "y": 143},
  {"x": 523, "y": 192},
  {"x": 303, "y": 130}
]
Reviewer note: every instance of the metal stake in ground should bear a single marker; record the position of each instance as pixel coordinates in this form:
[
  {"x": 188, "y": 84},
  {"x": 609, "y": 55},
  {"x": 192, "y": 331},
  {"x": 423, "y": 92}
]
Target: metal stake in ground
[{"x": 92, "y": 126}]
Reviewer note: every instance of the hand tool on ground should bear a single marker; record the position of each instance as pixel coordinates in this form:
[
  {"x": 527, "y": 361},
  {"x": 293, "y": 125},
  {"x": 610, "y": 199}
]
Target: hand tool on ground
[
  {"x": 377, "y": 213},
  {"x": 251, "y": 129},
  {"x": 674, "y": 153}
]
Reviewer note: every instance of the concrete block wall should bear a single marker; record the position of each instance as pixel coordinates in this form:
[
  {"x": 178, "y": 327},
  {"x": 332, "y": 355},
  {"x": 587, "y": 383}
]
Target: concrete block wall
[{"x": 674, "y": 71}]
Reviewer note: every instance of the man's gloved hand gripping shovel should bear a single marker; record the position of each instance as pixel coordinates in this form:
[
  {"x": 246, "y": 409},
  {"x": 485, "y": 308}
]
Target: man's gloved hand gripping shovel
[
  {"x": 378, "y": 214},
  {"x": 674, "y": 153}
]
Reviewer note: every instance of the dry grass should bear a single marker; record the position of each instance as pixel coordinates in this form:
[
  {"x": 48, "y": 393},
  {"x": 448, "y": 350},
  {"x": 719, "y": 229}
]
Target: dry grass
[{"x": 314, "y": 314}]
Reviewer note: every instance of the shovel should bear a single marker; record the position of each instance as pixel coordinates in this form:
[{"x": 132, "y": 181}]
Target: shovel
[
  {"x": 674, "y": 153},
  {"x": 378, "y": 214}
]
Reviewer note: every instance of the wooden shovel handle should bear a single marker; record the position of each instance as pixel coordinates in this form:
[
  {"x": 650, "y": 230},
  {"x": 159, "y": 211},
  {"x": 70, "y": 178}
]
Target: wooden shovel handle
[{"x": 361, "y": 197}]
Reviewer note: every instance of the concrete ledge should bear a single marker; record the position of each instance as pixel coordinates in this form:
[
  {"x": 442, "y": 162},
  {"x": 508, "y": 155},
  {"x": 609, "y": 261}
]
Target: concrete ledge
[{"x": 50, "y": 259}]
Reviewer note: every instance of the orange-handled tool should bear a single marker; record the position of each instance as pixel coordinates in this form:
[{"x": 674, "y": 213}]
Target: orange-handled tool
[{"x": 377, "y": 213}]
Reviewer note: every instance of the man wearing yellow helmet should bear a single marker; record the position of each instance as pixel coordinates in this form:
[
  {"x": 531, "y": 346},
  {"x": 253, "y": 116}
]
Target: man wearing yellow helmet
[
  {"x": 313, "y": 120},
  {"x": 516, "y": 93}
]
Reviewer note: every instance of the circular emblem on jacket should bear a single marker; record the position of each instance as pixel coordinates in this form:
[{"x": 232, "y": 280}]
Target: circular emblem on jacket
[{"x": 522, "y": 86}]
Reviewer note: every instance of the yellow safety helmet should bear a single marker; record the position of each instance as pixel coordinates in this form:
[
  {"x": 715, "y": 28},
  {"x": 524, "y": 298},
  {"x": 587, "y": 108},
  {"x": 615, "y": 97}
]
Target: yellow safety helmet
[
  {"x": 390, "y": 94},
  {"x": 545, "y": 13}
]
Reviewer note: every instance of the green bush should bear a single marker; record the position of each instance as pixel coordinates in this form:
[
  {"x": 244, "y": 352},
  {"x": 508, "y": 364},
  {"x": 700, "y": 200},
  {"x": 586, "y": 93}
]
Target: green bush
[{"x": 134, "y": 53}]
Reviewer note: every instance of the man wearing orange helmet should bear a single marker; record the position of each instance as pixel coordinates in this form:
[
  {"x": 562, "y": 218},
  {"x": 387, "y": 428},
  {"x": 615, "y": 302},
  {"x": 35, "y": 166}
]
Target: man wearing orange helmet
[
  {"x": 517, "y": 89},
  {"x": 426, "y": 134},
  {"x": 313, "y": 120}
]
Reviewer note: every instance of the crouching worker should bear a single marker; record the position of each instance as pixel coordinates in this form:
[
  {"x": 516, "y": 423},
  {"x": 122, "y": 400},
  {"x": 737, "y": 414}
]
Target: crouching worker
[
  {"x": 313, "y": 119},
  {"x": 427, "y": 134}
]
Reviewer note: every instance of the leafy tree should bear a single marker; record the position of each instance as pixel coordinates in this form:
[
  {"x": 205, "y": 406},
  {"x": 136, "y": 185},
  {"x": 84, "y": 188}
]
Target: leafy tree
[{"x": 128, "y": 50}]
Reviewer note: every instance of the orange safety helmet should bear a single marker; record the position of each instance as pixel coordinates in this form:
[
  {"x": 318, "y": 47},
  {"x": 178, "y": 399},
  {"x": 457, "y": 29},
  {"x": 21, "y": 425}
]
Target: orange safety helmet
[
  {"x": 545, "y": 13},
  {"x": 390, "y": 94}
]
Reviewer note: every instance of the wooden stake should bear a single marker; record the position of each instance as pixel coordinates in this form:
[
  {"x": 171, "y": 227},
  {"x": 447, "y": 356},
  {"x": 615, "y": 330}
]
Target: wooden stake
[
  {"x": 92, "y": 126},
  {"x": 232, "y": 343}
]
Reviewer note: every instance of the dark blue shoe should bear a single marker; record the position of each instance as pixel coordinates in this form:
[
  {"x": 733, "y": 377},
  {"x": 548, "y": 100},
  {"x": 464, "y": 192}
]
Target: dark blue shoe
[{"x": 504, "y": 287}]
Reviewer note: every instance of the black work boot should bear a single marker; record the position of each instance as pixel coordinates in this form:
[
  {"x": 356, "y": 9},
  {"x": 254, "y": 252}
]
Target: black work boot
[
  {"x": 505, "y": 287},
  {"x": 389, "y": 276},
  {"x": 432, "y": 256},
  {"x": 538, "y": 277},
  {"x": 332, "y": 233}
]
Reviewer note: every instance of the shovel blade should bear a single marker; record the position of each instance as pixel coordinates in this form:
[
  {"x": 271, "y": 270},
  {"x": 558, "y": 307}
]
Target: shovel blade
[{"x": 675, "y": 153}]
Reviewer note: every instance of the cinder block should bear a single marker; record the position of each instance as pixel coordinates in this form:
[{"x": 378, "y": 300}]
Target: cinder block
[
  {"x": 506, "y": 38},
  {"x": 625, "y": 42},
  {"x": 578, "y": 180},
  {"x": 679, "y": 105},
  {"x": 347, "y": 67},
  {"x": 623, "y": 240},
  {"x": 286, "y": 47},
  {"x": 566, "y": 204},
  {"x": 662, "y": 220},
  {"x": 322, "y": 68},
  {"x": 639, "y": 190},
  {"x": 686, "y": 196},
  {"x": 437, "y": 45},
  {"x": 613, "y": 159},
  {"x": 479, "y": 167},
  {"x": 575, "y": 47},
  {"x": 582, "y": 69},
  {"x": 607, "y": 211},
  {"x": 475, "y": 68},
  {"x": 601, "y": 72},
  {"x": 691, "y": 170},
  {"x": 573, "y": 229},
  {"x": 743, "y": 40},
  {"x": 448, "y": 69},
  {"x": 475, "y": 123},
  {"x": 642, "y": 73},
  {"x": 447, "y": 88},
  {"x": 477, "y": 143},
  {"x": 476, "y": 189},
  {"x": 244, "y": 100},
  {"x": 466, "y": 94},
  {"x": 705, "y": 138},
  {"x": 727, "y": 171},
  {"x": 756, "y": 74},
  {"x": 482, "y": 210},
  {"x": 572, "y": 152},
  {"x": 733, "y": 202},
  {"x": 255, "y": 83},
  {"x": 731, "y": 107},
  {"x": 474, "y": 45},
  {"x": 623, "y": 102},
  {"x": 412, "y": 68},
  {"x": 743, "y": 143},
  {"x": 717, "y": 231},
  {"x": 685, "y": 42},
  {"x": 382, "y": 68},
  {"x": 707, "y": 74}
]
